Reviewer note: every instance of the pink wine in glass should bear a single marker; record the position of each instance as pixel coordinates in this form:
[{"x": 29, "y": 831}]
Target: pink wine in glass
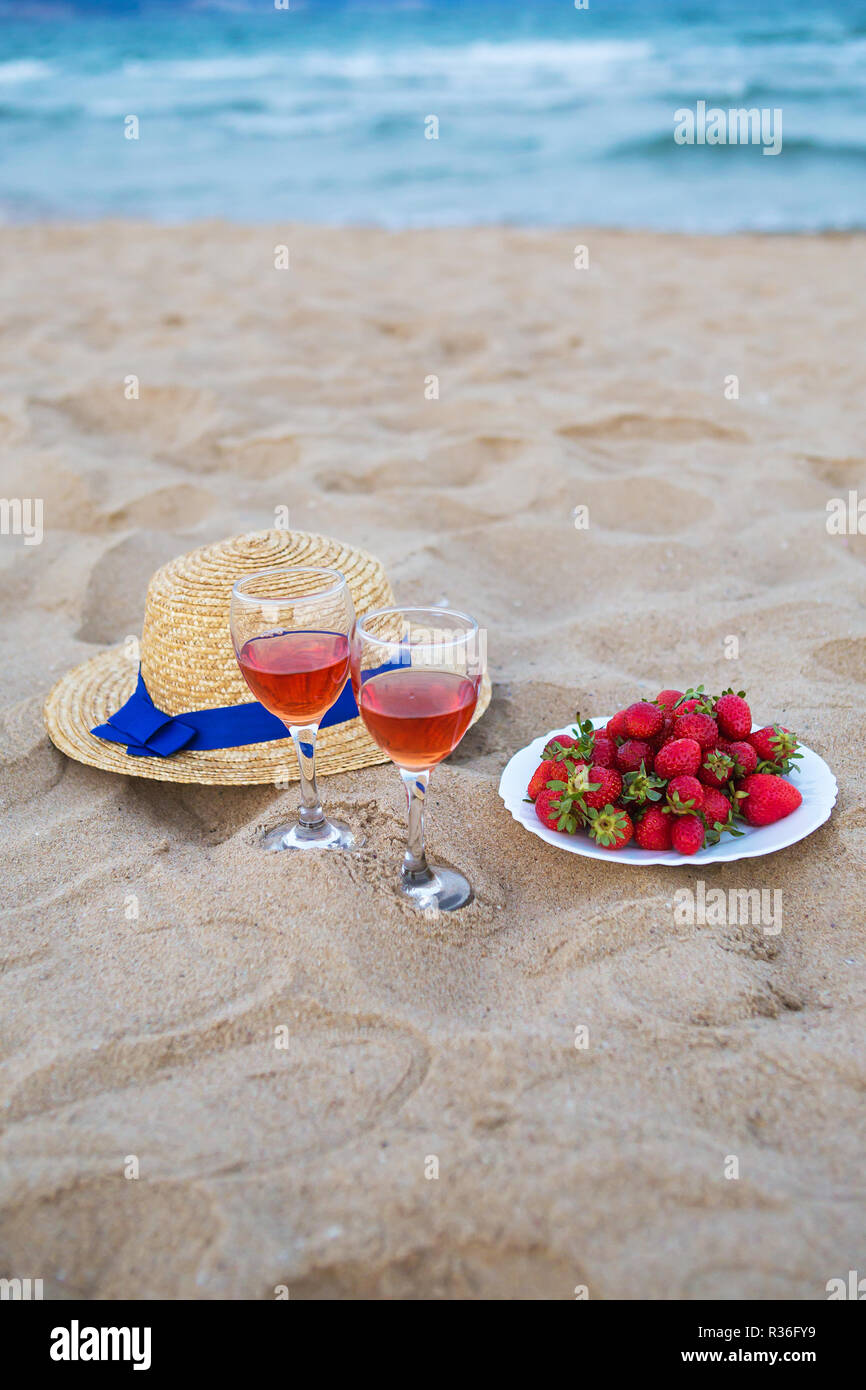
[
  {"x": 418, "y": 716},
  {"x": 296, "y": 675}
]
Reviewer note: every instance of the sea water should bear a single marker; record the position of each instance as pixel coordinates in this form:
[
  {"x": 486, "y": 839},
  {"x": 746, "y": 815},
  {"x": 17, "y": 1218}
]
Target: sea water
[{"x": 430, "y": 112}]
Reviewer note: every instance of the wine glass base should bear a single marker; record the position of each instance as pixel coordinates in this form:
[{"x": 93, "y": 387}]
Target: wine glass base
[
  {"x": 331, "y": 834},
  {"x": 443, "y": 891}
]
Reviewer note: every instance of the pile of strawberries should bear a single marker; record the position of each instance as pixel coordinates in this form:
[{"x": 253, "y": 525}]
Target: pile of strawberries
[{"x": 675, "y": 773}]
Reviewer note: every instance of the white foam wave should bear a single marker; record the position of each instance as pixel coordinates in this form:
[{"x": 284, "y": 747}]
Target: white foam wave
[
  {"x": 242, "y": 68},
  {"x": 23, "y": 70},
  {"x": 369, "y": 64}
]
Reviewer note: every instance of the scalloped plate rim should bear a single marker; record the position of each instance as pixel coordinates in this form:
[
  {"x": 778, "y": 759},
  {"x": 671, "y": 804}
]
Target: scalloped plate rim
[{"x": 725, "y": 851}]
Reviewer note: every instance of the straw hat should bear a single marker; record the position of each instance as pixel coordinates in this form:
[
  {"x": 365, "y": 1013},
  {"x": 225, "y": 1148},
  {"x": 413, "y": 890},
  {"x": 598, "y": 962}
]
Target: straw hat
[{"x": 188, "y": 663}]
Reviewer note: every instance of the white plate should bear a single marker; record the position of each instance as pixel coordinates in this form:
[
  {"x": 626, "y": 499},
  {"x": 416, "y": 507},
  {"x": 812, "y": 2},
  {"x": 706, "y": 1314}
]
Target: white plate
[{"x": 813, "y": 779}]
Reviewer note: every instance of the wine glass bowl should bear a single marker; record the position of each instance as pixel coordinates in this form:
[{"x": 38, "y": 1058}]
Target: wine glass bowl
[
  {"x": 416, "y": 673},
  {"x": 318, "y": 663},
  {"x": 290, "y": 630}
]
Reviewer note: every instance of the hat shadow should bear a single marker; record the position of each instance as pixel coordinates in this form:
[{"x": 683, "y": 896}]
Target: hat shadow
[{"x": 206, "y": 815}]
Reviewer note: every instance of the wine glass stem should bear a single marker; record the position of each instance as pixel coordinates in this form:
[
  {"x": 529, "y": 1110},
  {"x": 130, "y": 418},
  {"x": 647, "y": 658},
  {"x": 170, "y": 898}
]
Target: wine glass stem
[
  {"x": 415, "y": 865},
  {"x": 310, "y": 814}
]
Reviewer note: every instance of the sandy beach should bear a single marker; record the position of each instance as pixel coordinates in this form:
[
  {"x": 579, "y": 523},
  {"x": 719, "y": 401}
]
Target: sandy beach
[{"x": 153, "y": 1035}]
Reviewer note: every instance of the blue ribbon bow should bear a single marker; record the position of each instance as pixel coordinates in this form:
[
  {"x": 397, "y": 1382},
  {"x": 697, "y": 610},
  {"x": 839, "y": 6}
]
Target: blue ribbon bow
[{"x": 149, "y": 733}]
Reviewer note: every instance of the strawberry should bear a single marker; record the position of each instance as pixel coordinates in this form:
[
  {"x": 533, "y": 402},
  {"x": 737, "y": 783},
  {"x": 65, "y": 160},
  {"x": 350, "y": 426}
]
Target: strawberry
[
  {"x": 744, "y": 756},
  {"x": 694, "y": 700},
  {"x": 681, "y": 755},
  {"x": 685, "y": 794},
  {"x": 611, "y": 828},
  {"x": 560, "y": 744},
  {"x": 544, "y": 802},
  {"x": 586, "y": 786},
  {"x": 716, "y": 806},
  {"x": 718, "y": 815},
  {"x": 582, "y": 746},
  {"x": 761, "y": 742},
  {"x": 653, "y": 830},
  {"x": 768, "y": 798},
  {"x": 641, "y": 786},
  {"x": 603, "y": 750},
  {"x": 608, "y": 787},
  {"x": 632, "y": 753},
  {"x": 552, "y": 814},
  {"x": 643, "y": 720},
  {"x": 700, "y": 727},
  {"x": 776, "y": 746},
  {"x": 733, "y": 715},
  {"x": 717, "y": 769},
  {"x": 616, "y": 725},
  {"x": 544, "y": 773},
  {"x": 666, "y": 732},
  {"x": 687, "y": 834},
  {"x": 668, "y": 698}
]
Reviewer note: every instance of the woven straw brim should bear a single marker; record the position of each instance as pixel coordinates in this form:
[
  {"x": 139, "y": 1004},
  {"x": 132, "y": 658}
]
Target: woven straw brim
[
  {"x": 188, "y": 663},
  {"x": 87, "y": 695}
]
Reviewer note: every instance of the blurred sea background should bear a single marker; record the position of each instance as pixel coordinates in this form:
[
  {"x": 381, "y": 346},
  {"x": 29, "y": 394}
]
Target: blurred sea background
[{"x": 548, "y": 114}]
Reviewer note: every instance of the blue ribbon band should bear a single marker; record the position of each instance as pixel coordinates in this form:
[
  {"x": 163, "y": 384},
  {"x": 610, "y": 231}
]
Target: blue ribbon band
[{"x": 149, "y": 733}]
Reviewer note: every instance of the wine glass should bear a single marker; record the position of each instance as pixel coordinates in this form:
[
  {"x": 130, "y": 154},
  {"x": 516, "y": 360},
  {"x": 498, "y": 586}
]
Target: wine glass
[
  {"x": 290, "y": 630},
  {"x": 416, "y": 674}
]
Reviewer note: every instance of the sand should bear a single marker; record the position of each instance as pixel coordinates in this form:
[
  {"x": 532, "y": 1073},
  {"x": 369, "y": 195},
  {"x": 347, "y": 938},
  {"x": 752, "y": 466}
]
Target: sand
[{"x": 154, "y": 1036}]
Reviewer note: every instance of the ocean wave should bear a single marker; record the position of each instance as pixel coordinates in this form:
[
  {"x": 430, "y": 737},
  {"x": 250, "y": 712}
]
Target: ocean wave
[
  {"x": 661, "y": 143},
  {"x": 323, "y": 119},
  {"x": 647, "y": 67},
  {"x": 184, "y": 105},
  {"x": 366, "y": 64},
  {"x": 243, "y": 67},
  {"x": 536, "y": 74},
  {"x": 270, "y": 123},
  {"x": 61, "y": 111},
  {"x": 17, "y": 70}
]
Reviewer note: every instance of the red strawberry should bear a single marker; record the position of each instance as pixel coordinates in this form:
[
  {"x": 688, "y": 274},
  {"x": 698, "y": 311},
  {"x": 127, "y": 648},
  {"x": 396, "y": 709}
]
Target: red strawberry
[
  {"x": 558, "y": 810},
  {"x": 774, "y": 744},
  {"x": 616, "y": 725},
  {"x": 716, "y": 806},
  {"x": 687, "y": 834},
  {"x": 744, "y": 756},
  {"x": 667, "y": 731},
  {"x": 760, "y": 741},
  {"x": 603, "y": 750},
  {"x": 547, "y": 771},
  {"x": 653, "y": 830},
  {"x": 685, "y": 708},
  {"x": 699, "y": 727},
  {"x": 611, "y": 828},
  {"x": 733, "y": 715},
  {"x": 631, "y": 754},
  {"x": 608, "y": 790},
  {"x": 589, "y": 745},
  {"x": 643, "y": 720},
  {"x": 685, "y": 794},
  {"x": 717, "y": 769},
  {"x": 558, "y": 745},
  {"x": 768, "y": 798},
  {"x": 547, "y": 808},
  {"x": 668, "y": 698},
  {"x": 680, "y": 756}
]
